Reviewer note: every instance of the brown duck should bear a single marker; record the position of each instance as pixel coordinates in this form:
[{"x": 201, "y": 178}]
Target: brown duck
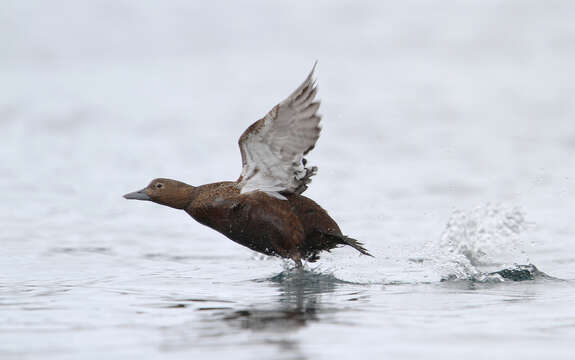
[{"x": 264, "y": 209}]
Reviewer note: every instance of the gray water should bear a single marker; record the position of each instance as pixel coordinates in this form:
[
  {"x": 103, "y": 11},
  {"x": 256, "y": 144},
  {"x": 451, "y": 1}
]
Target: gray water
[{"x": 448, "y": 148}]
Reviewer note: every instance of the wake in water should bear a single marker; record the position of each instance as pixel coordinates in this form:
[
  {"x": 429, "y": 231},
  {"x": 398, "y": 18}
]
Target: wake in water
[
  {"x": 483, "y": 238},
  {"x": 512, "y": 273}
]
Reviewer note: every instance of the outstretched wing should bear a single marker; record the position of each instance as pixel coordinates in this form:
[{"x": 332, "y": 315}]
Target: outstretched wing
[{"x": 273, "y": 147}]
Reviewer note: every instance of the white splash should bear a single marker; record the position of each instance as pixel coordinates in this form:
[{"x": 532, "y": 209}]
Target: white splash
[{"x": 487, "y": 235}]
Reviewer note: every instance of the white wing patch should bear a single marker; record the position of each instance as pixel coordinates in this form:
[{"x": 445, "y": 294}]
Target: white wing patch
[{"x": 273, "y": 147}]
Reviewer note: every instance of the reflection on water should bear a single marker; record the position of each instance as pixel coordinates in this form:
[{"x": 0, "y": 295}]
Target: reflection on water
[
  {"x": 302, "y": 298},
  {"x": 298, "y": 302}
]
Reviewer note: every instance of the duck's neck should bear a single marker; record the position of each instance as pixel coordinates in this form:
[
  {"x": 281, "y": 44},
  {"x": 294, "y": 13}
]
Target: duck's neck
[{"x": 181, "y": 198}]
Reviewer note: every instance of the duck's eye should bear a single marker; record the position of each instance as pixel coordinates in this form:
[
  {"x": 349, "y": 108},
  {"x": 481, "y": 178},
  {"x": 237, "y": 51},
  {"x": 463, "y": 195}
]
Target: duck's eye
[{"x": 159, "y": 185}]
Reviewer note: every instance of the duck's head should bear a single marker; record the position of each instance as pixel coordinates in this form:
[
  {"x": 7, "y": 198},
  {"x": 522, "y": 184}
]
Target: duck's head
[{"x": 167, "y": 192}]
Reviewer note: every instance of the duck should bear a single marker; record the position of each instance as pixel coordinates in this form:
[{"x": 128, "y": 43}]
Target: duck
[{"x": 264, "y": 209}]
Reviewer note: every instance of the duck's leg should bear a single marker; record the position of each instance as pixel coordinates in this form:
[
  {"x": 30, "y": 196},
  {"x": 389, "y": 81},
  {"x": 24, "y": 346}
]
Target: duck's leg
[
  {"x": 296, "y": 257},
  {"x": 298, "y": 264}
]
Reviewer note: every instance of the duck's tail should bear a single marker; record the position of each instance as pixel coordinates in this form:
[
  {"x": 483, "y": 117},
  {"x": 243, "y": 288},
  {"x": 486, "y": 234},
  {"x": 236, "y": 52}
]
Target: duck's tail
[{"x": 346, "y": 240}]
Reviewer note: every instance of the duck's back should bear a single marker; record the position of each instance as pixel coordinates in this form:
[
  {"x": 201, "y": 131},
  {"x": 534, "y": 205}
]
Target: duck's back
[{"x": 312, "y": 216}]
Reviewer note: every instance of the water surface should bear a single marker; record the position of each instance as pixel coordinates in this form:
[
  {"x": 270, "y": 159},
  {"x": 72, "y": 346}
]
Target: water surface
[{"x": 447, "y": 148}]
